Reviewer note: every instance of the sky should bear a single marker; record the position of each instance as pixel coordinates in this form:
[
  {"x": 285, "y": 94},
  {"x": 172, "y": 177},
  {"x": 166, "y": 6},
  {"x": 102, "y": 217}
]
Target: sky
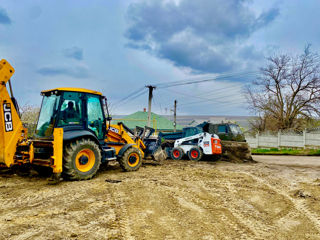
[{"x": 119, "y": 46}]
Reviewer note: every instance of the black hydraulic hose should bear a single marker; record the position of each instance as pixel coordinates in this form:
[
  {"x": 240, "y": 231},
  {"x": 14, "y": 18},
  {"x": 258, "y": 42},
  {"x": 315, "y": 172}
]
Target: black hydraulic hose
[
  {"x": 14, "y": 101},
  {"x": 106, "y": 105}
]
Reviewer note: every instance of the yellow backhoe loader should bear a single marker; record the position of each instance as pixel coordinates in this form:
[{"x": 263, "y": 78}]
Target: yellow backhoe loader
[{"x": 72, "y": 135}]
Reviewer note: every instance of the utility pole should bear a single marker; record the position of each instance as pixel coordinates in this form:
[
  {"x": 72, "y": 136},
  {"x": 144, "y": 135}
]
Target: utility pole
[
  {"x": 175, "y": 116},
  {"x": 149, "y": 103}
]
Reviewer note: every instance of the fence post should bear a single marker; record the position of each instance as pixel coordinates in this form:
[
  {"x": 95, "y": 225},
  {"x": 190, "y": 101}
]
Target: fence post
[
  {"x": 257, "y": 137},
  {"x": 279, "y": 138},
  {"x": 304, "y": 138}
]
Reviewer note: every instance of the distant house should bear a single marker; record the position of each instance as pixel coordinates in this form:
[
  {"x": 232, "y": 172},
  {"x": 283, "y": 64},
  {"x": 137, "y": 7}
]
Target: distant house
[{"x": 140, "y": 119}]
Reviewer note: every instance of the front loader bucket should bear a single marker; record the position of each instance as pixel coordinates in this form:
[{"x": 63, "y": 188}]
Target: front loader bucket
[{"x": 159, "y": 155}]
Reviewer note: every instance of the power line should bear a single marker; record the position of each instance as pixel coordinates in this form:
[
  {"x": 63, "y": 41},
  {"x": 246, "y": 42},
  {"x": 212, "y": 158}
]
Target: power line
[
  {"x": 131, "y": 95},
  {"x": 226, "y": 74},
  {"x": 155, "y": 102},
  {"x": 203, "y": 98},
  {"x": 213, "y": 100},
  {"x": 200, "y": 95},
  {"x": 223, "y": 104},
  {"x": 217, "y": 95},
  {"x": 137, "y": 93},
  {"x": 127, "y": 98},
  {"x": 193, "y": 81}
]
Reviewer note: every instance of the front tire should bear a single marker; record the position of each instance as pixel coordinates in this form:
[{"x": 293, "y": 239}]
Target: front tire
[
  {"x": 131, "y": 160},
  {"x": 82, "y": 159}
]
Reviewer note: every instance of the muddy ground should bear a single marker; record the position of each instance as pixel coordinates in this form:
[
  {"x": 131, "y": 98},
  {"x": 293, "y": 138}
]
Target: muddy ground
[{"x": 272, "y": 199}]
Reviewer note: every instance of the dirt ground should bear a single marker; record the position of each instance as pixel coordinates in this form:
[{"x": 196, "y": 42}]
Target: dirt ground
[{"x": 276, "y": 198}]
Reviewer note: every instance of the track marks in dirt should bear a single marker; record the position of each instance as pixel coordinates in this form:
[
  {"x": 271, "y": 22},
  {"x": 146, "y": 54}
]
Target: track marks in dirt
[
  {"x": 300, "y": 206},
  {"x": 178, "y": 200},
  {"x": 235, "y": 215},
  {"x": 206, "y": 203}
]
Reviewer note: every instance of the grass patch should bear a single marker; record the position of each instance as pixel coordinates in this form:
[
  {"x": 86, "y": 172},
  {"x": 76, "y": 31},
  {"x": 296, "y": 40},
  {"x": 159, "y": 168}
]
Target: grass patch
[{"x": 286, "y": 151}]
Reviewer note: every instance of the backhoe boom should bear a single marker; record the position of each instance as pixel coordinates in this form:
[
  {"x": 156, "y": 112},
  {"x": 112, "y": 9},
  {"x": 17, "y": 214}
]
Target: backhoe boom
[{"x": 11, "y": 129}]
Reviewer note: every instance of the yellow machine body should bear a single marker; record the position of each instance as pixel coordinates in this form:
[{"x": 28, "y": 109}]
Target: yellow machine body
[
  {"x": 118, "y": 136},
  {"x": 15, "y": 148},
  {"x": 12, "y": 131},
  {"x": 84, "y": 90}
]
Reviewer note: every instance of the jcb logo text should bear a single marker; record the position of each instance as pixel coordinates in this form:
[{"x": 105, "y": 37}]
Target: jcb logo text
[{"x": 7, "y": 117}]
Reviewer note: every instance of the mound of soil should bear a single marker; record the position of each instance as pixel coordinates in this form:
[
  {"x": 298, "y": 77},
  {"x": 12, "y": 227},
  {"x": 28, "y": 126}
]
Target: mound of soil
[{"x": 236, "y": 152}]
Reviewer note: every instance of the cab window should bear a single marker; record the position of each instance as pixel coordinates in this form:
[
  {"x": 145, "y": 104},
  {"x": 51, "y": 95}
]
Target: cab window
[
  {"x": 48, "y": 114},
  {"x": 71, "y": 109},
  {"x": 95, "y": 115},
  {"x": 191, "y": 131},
  {"x": 222, "y": 129}
]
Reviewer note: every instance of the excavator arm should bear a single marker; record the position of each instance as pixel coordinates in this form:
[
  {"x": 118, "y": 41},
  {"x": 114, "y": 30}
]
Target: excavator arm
[
  {"x": 15, "y": 147},
  {"x": 11, "y": 129}
]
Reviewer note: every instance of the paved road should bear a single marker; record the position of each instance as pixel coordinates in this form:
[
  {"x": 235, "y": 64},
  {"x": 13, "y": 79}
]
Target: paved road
[{"x": 303, "y": 161}]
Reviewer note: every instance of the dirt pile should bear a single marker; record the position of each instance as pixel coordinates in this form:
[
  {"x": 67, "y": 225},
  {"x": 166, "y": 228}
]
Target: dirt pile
[{"x": 236, "y": 152}]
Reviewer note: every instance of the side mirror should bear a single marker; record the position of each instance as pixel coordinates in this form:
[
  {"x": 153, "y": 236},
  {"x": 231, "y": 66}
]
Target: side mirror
[{"x": 109, "y": 118}]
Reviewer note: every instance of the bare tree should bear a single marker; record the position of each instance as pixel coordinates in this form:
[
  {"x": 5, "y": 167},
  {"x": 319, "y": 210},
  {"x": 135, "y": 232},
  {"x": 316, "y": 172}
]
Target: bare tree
[
  {"x": 287, "y": 93},
  {"x": 29, "y": 114},
  {"x": 29, "y": 117}
]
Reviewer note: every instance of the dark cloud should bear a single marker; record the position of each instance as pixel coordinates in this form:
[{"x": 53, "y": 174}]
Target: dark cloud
[
  {"x": 76, "y": 72},
  {"x": 74, "y": 52},
  {"x": 4, "y": 18},
  {"x": 197, "y": 55},
  {"x": 205, "y": 35}
]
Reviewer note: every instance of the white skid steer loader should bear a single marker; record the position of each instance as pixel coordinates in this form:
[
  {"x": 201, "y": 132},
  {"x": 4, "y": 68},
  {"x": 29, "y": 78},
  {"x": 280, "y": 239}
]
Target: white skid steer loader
[{"x": 196, "y": 146}]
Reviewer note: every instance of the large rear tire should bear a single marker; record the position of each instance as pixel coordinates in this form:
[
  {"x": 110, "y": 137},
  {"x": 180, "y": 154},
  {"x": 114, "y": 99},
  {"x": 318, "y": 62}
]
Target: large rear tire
[
  {"x": 131, "y": 160},
  {"x": 82, "y": 159}
]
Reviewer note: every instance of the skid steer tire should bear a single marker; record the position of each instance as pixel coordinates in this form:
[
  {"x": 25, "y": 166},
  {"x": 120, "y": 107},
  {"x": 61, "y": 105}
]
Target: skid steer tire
[
  {"x": 195, "y": 154},
  {"x": 131, "y": 160},
  {"x": 177, "y": 153},
  {"x": 81, "y": 160}
]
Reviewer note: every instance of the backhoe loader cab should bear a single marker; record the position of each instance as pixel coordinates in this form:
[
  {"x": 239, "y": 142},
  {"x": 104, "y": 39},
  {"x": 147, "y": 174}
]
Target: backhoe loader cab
[{"x": 73, "y": 110}]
